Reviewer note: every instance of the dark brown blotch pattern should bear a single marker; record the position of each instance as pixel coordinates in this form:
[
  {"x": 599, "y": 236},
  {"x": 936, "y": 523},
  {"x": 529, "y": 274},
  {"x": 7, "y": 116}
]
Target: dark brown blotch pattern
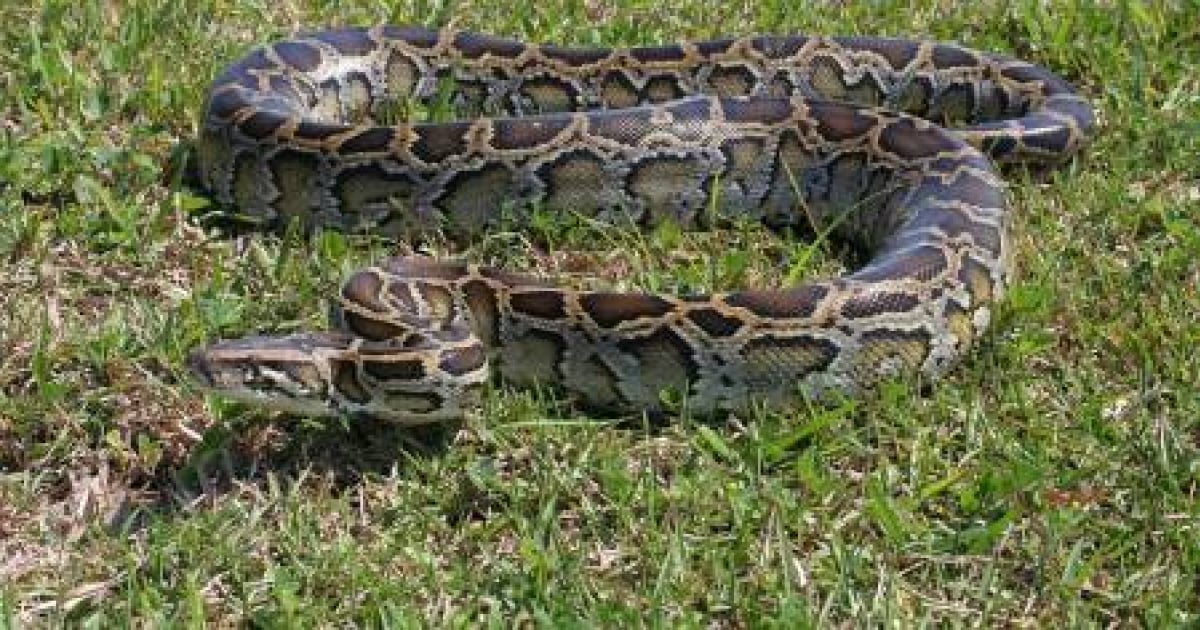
[
  {"x": 666, "y": 359},
  {"x": 945, "y": 57},
  {"x": 262, "y": 123},
  {"x": 544, "y": 304},
  {"x": 574, "y": 56},
  {"x": 838, "y": 122},
  {"x": 902, "y": 138},
  {"x": 435, "y": 143},
  {"x": 527, "y": 133},
  {"x": 714, "y": 323},
  {"x": 871, "y": 304},
  {"x": 370, "y": 140},
  {"x": 319, "y": 131},
  {"x": 772, "y": 360},
  {"x": 759, "y": 110},
  {"x": 475, "y": 46},
  {"x": 299, "y": 55},
  {"x": 368, "y": 327},
  {"x": 394, "y": 368},
  {"x": 611, "y": 309},
  {"x": 657, "y": 54},
  {"x": 798, "y": 302}
]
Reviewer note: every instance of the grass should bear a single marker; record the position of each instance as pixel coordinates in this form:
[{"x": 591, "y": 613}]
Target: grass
[{"x": 1052, "y": 479}]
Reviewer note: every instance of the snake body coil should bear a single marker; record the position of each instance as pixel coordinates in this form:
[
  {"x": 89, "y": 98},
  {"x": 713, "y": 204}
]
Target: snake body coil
[{"x": 788, "y": 130}]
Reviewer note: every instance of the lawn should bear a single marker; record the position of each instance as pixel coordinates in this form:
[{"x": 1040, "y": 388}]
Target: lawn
[{"x": 1053, "y": 478}]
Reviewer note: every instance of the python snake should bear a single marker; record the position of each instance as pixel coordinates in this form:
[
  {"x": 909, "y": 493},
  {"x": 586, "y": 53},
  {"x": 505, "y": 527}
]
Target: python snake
[{"x": 849, "y": 133}]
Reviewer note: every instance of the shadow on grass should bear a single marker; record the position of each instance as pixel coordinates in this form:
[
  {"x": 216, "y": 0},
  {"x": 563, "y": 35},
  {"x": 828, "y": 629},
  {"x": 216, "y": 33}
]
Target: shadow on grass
[{"x": 340, "y": 452}]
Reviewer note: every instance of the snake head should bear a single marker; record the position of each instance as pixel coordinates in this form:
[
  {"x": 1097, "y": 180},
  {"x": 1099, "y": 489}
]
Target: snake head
[
  {"x": 294, "y": 374},
  {"x": 418, "y": 379}
]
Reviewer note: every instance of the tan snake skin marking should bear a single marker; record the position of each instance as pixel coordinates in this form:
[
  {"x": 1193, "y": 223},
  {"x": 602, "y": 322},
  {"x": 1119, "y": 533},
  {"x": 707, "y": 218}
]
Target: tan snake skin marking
[{"x": 847, "y": 131}]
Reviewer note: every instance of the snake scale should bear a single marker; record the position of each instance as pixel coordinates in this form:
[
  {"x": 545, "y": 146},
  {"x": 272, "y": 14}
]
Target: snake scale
[{"x": 850, "y": 133}]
